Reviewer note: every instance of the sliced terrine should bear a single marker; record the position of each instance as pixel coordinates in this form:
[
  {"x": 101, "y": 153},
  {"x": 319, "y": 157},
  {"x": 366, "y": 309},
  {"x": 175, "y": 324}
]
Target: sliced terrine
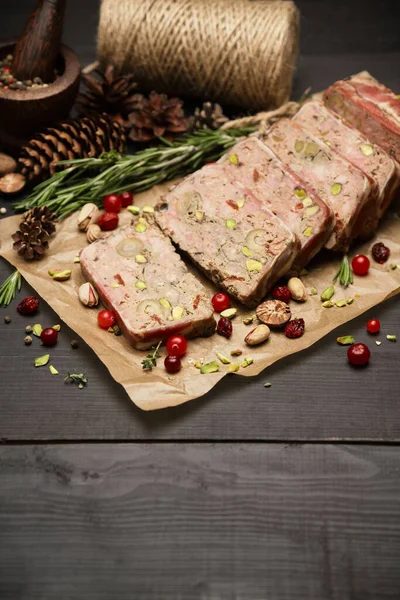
[
  {"x": 369, "y": 106},
  {"x": 139, "y": 276},
  {"x": 343, "y": 186},
  {"x": 225, "y": 230},
  {"x": 356, "y": 147},
  {"x": 254, "y": 166}
]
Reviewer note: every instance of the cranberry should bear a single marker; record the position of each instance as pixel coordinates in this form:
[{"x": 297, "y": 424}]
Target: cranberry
[
  {"x": 112, "y": 203},
  {"x": 281, "y": 292},
  {"x": 172, "y": 364},
  {"x": 49, "y": 336},
  {"x": 126, "y": 199},
  {"x": 360, "y": 264},
  {"x": 108, "y": 222},
  {"x": 220, "y": 302},
  {"x": 28, "y": 306},
  {"x": 176, "y": 345},
  {"x": 380, "y": 253},
  {"x": 294, "y": 329},
  {"x": 358, "y": 354},
  {"x": 373, "y": 326},
  {"x": 106, "y": 319},
  {"x": 224, "y": 327}
]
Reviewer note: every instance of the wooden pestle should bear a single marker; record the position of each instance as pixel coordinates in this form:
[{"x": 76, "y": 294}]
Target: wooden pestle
[{"x": 37, "y": 49}]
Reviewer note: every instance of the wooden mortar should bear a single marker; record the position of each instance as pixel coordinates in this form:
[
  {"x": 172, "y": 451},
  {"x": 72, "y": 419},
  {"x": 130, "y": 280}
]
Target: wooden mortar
[{"x": 25, "y": 112}]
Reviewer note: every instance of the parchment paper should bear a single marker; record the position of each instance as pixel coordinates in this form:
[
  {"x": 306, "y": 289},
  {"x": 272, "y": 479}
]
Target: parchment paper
[{"x": 157, "y": 389}]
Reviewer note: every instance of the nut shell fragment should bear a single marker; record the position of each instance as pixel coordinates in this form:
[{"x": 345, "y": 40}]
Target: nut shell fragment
[
  {"x": 273, "y": 313},
  {"x": 93, "y": 233}
]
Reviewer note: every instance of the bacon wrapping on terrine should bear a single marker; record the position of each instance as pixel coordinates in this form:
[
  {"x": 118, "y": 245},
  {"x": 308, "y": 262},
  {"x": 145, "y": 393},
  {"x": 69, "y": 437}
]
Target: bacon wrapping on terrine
[
  {"x": 228, "y": 233},
  {"x": 139, "y": 276},
  {"x": 253, "y": 165},
  {"x": 343, "y": 186},
  {"x": 357, "y": 149},
  {"x": 369, "y": 106}
]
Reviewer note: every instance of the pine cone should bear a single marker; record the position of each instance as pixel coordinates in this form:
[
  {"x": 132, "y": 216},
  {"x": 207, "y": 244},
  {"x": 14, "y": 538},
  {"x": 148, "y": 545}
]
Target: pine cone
[
  {"x": 109, "y": 93},
  {"x": 209, "y": 116},
  {"x": 157, "y": 116},
  {"x": 44, "y": 216},
  {"x": 82, "y": 138}
]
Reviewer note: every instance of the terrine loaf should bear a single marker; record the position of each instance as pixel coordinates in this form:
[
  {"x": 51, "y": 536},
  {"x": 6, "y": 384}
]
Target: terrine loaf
[
  {"x": 253, "y": 165},
  {"x": 226, "y": 231},
  {"x": 369, "y": 106},
  {"x": 139, "y": 276},
  {"x": 343, "y": 186},
  {"x": 356, "y": 147}
]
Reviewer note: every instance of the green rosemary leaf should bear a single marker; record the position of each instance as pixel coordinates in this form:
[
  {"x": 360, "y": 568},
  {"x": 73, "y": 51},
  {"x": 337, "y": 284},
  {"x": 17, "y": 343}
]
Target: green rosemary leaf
[
  {"x": 90, "y": 179},
  {"x": 344, "y": 273},
  {"x": 9, "y": 288}
]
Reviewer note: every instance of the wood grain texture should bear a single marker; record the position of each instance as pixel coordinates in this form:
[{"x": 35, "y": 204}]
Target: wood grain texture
[{"x": 199, "y": 522}]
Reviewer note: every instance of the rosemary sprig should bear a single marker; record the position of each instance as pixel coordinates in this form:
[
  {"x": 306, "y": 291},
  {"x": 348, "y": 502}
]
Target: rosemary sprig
[
  {"x": 90, "y": 179},
  {"x": 345, "y": 272},
  {"x": 79, "y": 378},
  {"x": 9, "y": 288},
  {"x": 151, "y": 360}
]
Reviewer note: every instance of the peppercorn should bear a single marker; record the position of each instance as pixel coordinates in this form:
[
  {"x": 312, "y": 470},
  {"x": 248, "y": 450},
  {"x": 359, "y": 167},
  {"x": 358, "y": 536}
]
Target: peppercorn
[
  {"x": 28, "y": 329},
  {"x": 7, "y": 320},
  {"x": 27, "y": 340},
  {"x": 74, "y": 344}
]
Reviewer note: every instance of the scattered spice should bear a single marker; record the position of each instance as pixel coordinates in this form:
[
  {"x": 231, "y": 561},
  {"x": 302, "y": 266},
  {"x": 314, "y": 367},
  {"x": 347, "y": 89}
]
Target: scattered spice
[
  {"x": 79, "y": 378},
  {"x": 74, "y": 344},
  {"x": 345, "y": 340},
  {"x": 391, "y": 338},
  {"x": 3, "y": 211},
  {"x": 41, "y": 361},
  {"x": 27, "y": 340},
  {"x": 28, "y": 329},
  {"x": 7, "y": 320},
  {"x": 151, "y": 359}
]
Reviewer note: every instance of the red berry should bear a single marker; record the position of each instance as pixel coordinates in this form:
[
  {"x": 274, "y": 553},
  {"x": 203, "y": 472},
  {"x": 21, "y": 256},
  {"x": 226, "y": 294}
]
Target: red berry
[
  {"x": 172, "y": 364},
  {"x": 176, "y": 345},
  {"x": 28, "y": 306},
  {"x": 224, "y": 327},
  {"x": 49, "y": 336},
  {"x": 112, "y": 203},
  {"x": 358, "y": 354},
  {"x": 380, "y": 253},
  {"x": 281, "y": 292},
  {"x": 106, "y": 319},
  {"x": 220, "y": 302},
  {"x": 373, "y": 326},
  {"x": 108, "y": 221},
  {"x": 126, "y": 199},
  {"x": 360, "y": 264},
  {"x": 294, "y": 329}
]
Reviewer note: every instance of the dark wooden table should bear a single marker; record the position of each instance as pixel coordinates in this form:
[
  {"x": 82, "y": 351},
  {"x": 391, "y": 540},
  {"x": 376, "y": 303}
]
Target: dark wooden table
[{"x": 291, "y": 492}]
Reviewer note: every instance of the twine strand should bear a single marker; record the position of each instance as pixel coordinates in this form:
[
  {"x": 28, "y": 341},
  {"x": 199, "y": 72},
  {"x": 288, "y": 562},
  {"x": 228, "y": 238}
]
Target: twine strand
[{"x": 236, "y": 52}]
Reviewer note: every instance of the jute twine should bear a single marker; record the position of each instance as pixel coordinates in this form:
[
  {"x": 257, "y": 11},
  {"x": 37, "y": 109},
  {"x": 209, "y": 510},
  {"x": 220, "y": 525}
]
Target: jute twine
[{"x": 236, "y": 52}]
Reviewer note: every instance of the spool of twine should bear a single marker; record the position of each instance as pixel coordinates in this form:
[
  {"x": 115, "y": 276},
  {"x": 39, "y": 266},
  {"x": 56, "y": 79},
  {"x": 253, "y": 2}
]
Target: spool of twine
[{"x": 236, "y": 52}]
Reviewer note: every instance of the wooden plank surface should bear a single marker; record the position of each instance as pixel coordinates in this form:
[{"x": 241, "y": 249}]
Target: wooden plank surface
[{"x": 199, "y": 522}]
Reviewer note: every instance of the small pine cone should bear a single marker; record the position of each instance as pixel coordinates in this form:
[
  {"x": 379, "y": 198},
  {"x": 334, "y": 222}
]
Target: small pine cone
[
  {"x": 44, "y": 216},
  {"x": 157, "y": 116},
  {"x": 30, "y": 240},
  {"x": 82, "y": 138},
  {"x": 209, "y": 116}
]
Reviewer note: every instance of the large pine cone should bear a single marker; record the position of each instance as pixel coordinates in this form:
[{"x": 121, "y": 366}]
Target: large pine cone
[
  {"x": 82, "y": 138},
  {"x": 157, "y": 116}
]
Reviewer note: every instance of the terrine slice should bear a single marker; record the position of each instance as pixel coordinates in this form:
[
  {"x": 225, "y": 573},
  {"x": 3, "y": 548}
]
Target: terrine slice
[
  {"x": 226, "y": 231},
  {"x": 254, "y": 166},
  {"x": 369, "y": 106},
  {"x": 356, "y": 147},
  {"x": 343, "y": 186},
  {"x": 139, "y": 276}
]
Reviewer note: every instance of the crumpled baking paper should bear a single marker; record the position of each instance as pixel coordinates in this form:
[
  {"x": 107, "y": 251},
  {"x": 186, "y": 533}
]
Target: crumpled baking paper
[{"x": 156, "y": 389}]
